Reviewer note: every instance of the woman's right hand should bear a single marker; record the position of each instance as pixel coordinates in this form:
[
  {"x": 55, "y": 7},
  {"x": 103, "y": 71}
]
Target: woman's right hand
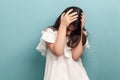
[{"x": 68, "y": 17}]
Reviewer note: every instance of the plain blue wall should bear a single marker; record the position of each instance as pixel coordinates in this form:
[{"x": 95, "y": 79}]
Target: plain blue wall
[{"x": 21, "y": 23}]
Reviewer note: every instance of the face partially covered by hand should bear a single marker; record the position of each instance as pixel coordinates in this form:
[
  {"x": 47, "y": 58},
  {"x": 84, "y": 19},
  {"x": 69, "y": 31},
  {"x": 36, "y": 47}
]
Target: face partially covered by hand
[{"x": 70, "y": 29}]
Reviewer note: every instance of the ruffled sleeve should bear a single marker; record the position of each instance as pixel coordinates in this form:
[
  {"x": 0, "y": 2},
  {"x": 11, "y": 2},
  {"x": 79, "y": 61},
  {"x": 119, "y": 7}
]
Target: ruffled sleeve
[{"x": 47, "y": 36}]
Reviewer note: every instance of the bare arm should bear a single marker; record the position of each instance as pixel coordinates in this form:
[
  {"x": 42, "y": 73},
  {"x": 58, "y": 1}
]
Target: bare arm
[
  {"x": 57, "y": 48},
  {"x": 77, "y": 51}
]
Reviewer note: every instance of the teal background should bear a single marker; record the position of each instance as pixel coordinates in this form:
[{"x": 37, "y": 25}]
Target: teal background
[{"x": 21, "y": 23}]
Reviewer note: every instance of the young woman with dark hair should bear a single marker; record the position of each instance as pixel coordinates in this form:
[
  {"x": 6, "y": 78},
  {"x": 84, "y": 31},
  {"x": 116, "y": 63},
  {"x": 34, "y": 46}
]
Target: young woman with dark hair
[{"x": 63, "y": 45}]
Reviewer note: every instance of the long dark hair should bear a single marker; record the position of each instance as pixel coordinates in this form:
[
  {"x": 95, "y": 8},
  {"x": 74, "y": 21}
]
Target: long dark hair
[{"x": 75, "y": 35}]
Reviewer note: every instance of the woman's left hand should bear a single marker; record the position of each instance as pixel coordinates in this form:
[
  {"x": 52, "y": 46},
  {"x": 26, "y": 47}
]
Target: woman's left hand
[{"x": 82, "y": 20}]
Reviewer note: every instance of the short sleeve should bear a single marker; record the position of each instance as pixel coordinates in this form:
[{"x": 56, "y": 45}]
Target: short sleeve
[{"x": 47, "y": 36}]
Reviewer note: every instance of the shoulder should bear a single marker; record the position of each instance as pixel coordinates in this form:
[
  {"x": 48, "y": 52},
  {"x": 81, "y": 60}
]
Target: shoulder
[
  {"x": 49, "y": 35},
  {"x": 49, "y": 29}
]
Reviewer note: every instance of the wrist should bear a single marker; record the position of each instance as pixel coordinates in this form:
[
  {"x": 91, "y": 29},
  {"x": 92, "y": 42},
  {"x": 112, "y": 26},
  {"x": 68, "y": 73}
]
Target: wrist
[{"x": 62, "y": 27}]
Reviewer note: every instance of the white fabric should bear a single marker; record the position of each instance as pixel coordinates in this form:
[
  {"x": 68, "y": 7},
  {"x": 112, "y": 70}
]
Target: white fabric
[{"x": 63, "y": 67}]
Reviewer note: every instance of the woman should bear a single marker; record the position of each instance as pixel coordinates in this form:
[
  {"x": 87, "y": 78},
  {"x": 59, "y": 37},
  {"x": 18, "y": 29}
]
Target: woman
[{"x": 63, "y": 45}]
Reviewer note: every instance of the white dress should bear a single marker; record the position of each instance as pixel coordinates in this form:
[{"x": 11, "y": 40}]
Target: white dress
[{"x": 63, "y": 67}]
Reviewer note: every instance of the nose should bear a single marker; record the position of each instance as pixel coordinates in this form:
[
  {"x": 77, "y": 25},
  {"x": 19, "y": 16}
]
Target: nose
[{"x": 68, "y": 33}]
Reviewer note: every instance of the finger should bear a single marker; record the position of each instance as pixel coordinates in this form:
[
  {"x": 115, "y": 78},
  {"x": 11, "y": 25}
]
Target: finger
[
  {"x": 73, "y": 20},
  {"x": 82, "y": 18},
  {"x": 72, "y": 14},
  {"x": 62, "y": 15},
  {"x": 69, "y": 11},
  {"x": 76, "y": 16}
]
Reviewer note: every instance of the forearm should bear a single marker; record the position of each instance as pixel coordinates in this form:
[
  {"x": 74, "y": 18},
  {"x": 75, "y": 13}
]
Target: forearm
[
  {"x": 57, "y": 48},
  {"x": 77, "y": 51},
  {"x": 60, "y": 41}
]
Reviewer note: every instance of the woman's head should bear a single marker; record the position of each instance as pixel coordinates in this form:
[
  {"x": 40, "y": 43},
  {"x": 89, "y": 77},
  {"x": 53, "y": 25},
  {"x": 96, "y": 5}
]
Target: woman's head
[
  {"x": 74, "y": 28},
  {"x": 76, "y": 23}
]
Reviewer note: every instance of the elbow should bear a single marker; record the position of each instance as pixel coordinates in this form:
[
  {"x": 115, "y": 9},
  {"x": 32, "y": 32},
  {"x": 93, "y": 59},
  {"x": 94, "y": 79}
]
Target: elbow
[
  {"x": 58, "y": 52},
  {"x": 75, "y": 58},
  {"x": 55, "y": 49}
]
